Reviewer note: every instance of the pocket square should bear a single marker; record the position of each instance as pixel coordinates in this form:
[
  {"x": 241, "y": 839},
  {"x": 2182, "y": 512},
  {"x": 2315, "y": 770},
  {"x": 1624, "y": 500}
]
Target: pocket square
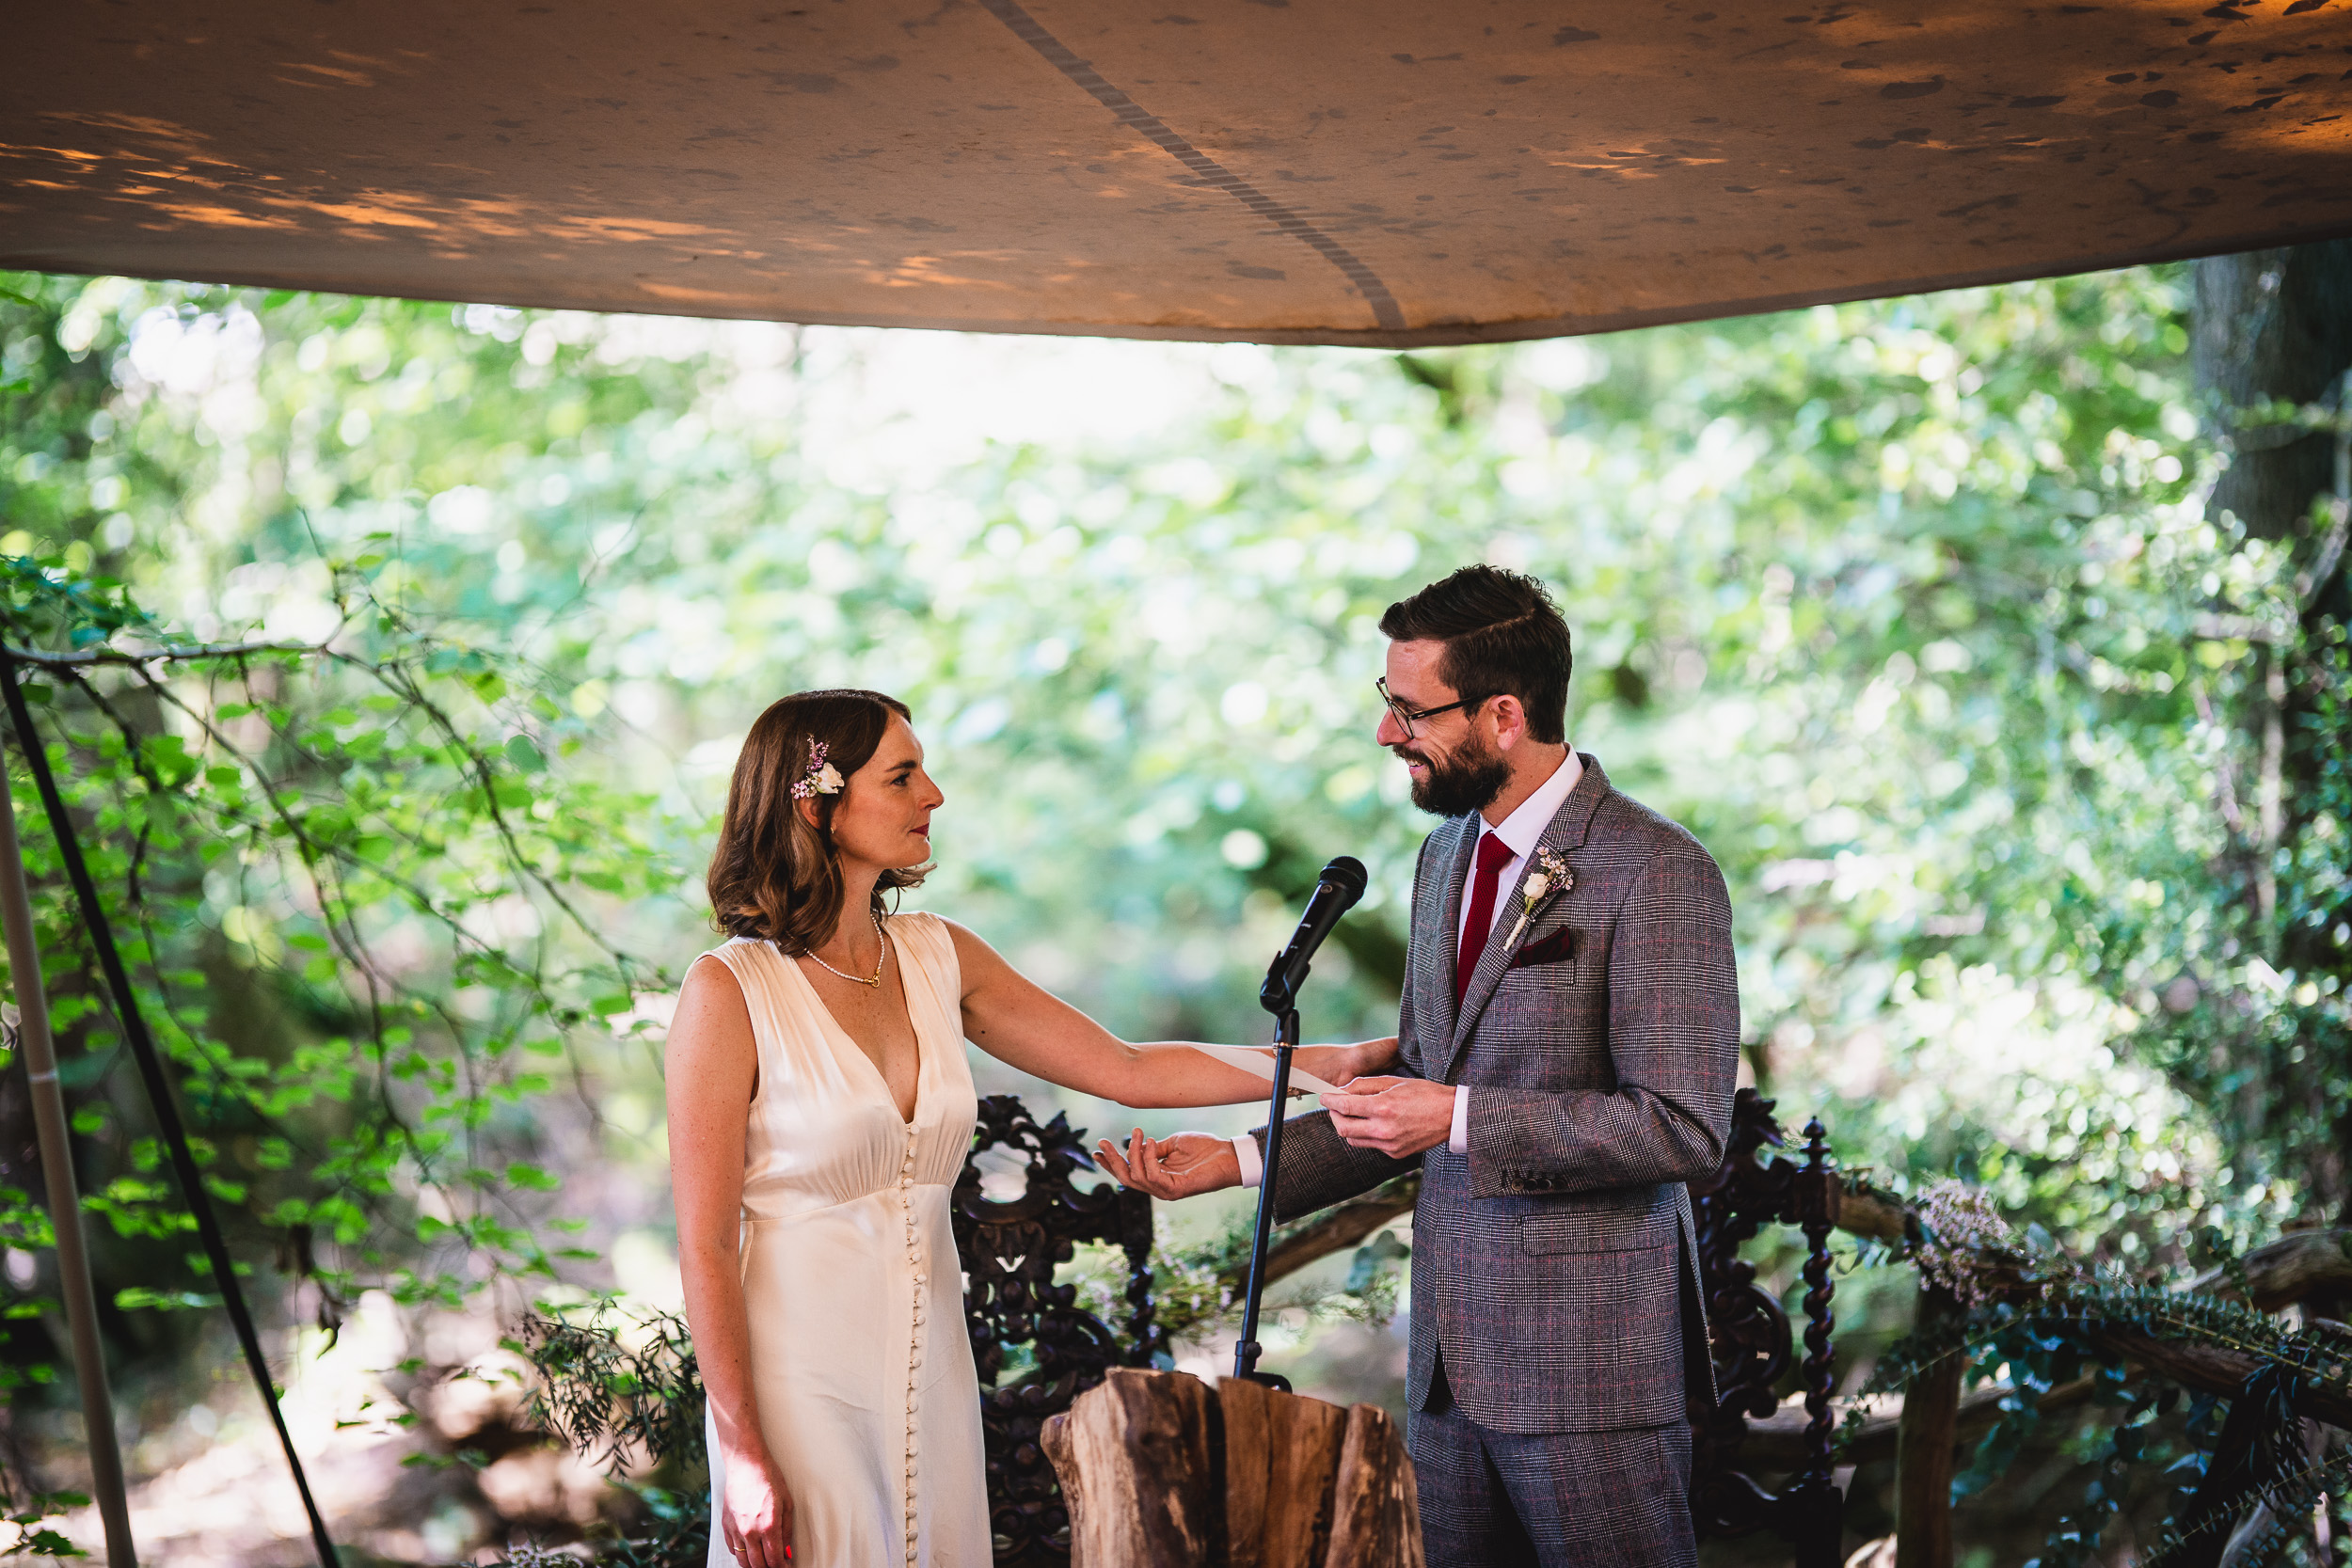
[{"x": 1551, "y": 950}]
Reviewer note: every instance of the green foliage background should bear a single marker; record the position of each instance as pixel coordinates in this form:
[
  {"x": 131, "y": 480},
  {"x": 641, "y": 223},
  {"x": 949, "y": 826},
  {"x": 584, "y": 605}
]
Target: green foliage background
[{"x": 1911, "y": 610}]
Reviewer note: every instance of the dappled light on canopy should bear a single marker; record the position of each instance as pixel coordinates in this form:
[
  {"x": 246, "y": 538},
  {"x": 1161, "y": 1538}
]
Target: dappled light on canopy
[{"x": 1376, "y": 173}]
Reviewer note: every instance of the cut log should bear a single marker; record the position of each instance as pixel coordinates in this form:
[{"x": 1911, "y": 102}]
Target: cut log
[
  {"x": 1135, "y": 1467},
  {"x": 1376, "y": 1515},
  {"x": 1281, "y": 1453},
  {"x": 1304, "y": 1483},
  {"x": 1054, "y": 1437},
  {"x": 1248, "y": 1466},
  {"x": 1304, "y": 1438}
]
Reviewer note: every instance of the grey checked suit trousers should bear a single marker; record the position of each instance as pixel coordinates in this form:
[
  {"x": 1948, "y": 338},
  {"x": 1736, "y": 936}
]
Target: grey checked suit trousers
[{"x": 1557, "y": 1328}]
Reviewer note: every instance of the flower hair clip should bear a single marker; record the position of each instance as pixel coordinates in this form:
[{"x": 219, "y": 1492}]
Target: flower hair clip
[
  {"x": 1552, "y": 876},
  {"x": 823, "y": 777}
]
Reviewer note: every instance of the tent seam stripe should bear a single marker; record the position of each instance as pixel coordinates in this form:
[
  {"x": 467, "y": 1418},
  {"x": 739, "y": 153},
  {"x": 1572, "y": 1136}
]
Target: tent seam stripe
[{"x": 1025, "y": 28}]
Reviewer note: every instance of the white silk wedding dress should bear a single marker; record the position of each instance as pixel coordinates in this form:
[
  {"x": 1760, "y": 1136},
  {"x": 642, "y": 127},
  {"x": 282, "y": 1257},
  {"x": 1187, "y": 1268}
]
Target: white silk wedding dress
[{"x": 861, "y": 1371}]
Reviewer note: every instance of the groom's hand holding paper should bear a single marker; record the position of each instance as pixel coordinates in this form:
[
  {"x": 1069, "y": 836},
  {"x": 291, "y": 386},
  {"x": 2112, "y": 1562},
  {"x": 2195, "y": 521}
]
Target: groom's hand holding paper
[{"x": 1399, "y": 1116}]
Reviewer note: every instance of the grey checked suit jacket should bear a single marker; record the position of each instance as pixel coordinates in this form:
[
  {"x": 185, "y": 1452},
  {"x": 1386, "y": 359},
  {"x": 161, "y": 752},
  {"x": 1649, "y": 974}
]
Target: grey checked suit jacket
[{"x": 1555, "y": 1266}]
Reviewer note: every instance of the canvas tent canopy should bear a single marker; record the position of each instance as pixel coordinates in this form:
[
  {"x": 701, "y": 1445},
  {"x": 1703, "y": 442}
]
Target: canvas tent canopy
[{"x": 1337, "y": 171}]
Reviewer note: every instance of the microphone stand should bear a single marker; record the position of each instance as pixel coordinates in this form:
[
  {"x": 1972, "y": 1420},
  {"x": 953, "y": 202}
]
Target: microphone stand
[
  {"x": 1336, "y": 892},
  {"x": 1277, "y": 1000}
]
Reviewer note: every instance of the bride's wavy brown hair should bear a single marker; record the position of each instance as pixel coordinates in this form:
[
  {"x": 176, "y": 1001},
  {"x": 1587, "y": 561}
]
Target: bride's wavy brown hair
[{"x": 774, "y": 874}]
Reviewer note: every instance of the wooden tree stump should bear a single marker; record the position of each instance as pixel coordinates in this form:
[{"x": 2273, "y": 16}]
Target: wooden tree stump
[
  {"x": 1159, "y": 1470},
  {"x": 1376, "y": 1515},
  {"x": 1134, "y": 1455}
]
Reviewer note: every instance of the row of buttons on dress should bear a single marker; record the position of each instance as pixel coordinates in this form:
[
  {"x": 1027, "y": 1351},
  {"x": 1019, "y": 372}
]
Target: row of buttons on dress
[{"x": 915, "y": 1343}]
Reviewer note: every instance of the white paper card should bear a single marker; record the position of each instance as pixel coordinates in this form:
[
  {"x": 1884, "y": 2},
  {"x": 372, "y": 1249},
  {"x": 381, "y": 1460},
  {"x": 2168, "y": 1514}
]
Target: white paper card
[{"x": 1260, "y": 1060}]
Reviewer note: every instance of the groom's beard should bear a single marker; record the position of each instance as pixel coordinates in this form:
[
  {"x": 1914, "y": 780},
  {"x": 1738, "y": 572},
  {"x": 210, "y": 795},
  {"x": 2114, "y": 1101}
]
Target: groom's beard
[{"x": 1461, "y": 783}]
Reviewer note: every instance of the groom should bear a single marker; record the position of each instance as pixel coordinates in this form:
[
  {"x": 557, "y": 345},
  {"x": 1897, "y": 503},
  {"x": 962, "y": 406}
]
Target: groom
[{"x": 1568, "y": 1045}]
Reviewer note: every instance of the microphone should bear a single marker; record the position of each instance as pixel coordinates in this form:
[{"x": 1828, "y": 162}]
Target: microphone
[{"x": 1336, "y": 892}]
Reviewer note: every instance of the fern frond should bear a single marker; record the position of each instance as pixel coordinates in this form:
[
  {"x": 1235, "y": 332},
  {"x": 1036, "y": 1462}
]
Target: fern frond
[{"x": 2285, "y": 1507}]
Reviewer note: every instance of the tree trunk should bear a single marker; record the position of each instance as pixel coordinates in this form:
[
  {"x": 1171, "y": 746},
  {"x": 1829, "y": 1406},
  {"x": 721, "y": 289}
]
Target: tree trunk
[
  {"x": 1134, "y": 1457},
  {"x": 2272, "y": 328},
  {"x": 2274, "y": 325},
  {"x": 1159, "y": 1471},
  {"x": 1376, "y": 1514}
]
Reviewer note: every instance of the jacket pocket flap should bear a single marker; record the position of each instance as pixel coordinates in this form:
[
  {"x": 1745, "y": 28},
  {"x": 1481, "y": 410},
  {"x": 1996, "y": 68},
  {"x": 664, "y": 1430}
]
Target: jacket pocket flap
[{"x": 1597, "y": 1230}]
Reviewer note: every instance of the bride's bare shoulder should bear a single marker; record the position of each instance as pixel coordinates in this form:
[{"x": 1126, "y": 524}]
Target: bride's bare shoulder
[
  {"x": 969, "y": 944},
  {"x": 978, "y": 961},
  {"x": 712, "y": 1012}
]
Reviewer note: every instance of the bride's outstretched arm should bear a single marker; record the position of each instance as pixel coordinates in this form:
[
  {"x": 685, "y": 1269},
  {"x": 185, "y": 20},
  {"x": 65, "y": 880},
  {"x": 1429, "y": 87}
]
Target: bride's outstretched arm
[{"x": 1019, "y": 1022}]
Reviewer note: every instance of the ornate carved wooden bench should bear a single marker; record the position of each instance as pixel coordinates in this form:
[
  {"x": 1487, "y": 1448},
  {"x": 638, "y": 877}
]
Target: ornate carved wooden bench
[
  {"x": 1754, "y": 1343},
  {"x": 1010, "y": 1247}
]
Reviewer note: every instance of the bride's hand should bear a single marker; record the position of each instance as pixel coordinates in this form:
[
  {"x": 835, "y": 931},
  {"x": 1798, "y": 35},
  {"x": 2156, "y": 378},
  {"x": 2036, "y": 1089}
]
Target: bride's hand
[
  {"x": 1183, "y": 1165},
  {"x": 757, "y": 1519},
  {"x": 1337, "y": 1063}
]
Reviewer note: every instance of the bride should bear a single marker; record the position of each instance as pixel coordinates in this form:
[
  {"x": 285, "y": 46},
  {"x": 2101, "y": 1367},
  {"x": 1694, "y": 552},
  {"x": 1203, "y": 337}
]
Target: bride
[{"x": 820, "y": 1109}]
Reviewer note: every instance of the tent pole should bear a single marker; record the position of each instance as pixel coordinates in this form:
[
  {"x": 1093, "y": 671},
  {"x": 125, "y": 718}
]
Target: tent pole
[{"x": 65, "y": 1200}]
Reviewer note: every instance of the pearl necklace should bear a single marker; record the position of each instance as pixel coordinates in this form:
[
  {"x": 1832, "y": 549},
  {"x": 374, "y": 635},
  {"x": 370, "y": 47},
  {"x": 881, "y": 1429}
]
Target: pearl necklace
[{"x": 880, "y": 960}]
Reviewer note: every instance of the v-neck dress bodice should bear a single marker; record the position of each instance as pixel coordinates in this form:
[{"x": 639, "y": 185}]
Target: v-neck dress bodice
[{"x": 861, "y": 1372}]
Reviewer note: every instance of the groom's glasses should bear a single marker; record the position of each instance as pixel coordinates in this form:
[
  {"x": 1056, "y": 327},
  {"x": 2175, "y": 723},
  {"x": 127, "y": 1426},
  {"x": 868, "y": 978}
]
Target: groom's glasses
[{"x": 1407, "y": 715}]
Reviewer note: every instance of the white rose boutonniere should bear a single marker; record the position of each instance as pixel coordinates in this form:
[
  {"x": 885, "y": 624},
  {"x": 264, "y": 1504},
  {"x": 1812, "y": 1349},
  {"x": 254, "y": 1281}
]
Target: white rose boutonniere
[{"x": 1552, "y": 875}]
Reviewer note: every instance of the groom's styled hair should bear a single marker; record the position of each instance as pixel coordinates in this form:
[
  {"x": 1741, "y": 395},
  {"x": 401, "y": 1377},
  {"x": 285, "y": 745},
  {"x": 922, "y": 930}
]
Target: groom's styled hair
[{"x": 1502, "y": 634}]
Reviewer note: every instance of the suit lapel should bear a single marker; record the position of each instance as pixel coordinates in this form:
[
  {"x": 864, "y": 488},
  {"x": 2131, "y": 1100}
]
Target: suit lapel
[
  {"x": 1565, "y": 833},
  {"x": 1436, "y": 997}
]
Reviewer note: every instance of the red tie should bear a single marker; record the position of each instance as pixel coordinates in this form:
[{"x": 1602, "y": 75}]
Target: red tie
[{"x": 1493, "y": 854}]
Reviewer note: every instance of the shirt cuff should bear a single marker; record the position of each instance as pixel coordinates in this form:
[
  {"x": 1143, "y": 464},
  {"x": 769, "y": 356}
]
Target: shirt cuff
[
  {"x": 1457, "y": 1141},
  {"x": 1253, "y": 1163}
]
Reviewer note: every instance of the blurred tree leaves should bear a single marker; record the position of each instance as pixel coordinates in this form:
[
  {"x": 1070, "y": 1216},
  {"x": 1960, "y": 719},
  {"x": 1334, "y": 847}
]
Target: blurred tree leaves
[{"x": 1911, "y": 609}]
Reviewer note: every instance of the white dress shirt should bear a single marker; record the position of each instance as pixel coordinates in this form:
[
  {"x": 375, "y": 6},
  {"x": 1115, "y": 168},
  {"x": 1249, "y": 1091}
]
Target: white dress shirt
[{"x": 1519, "y": 832}]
